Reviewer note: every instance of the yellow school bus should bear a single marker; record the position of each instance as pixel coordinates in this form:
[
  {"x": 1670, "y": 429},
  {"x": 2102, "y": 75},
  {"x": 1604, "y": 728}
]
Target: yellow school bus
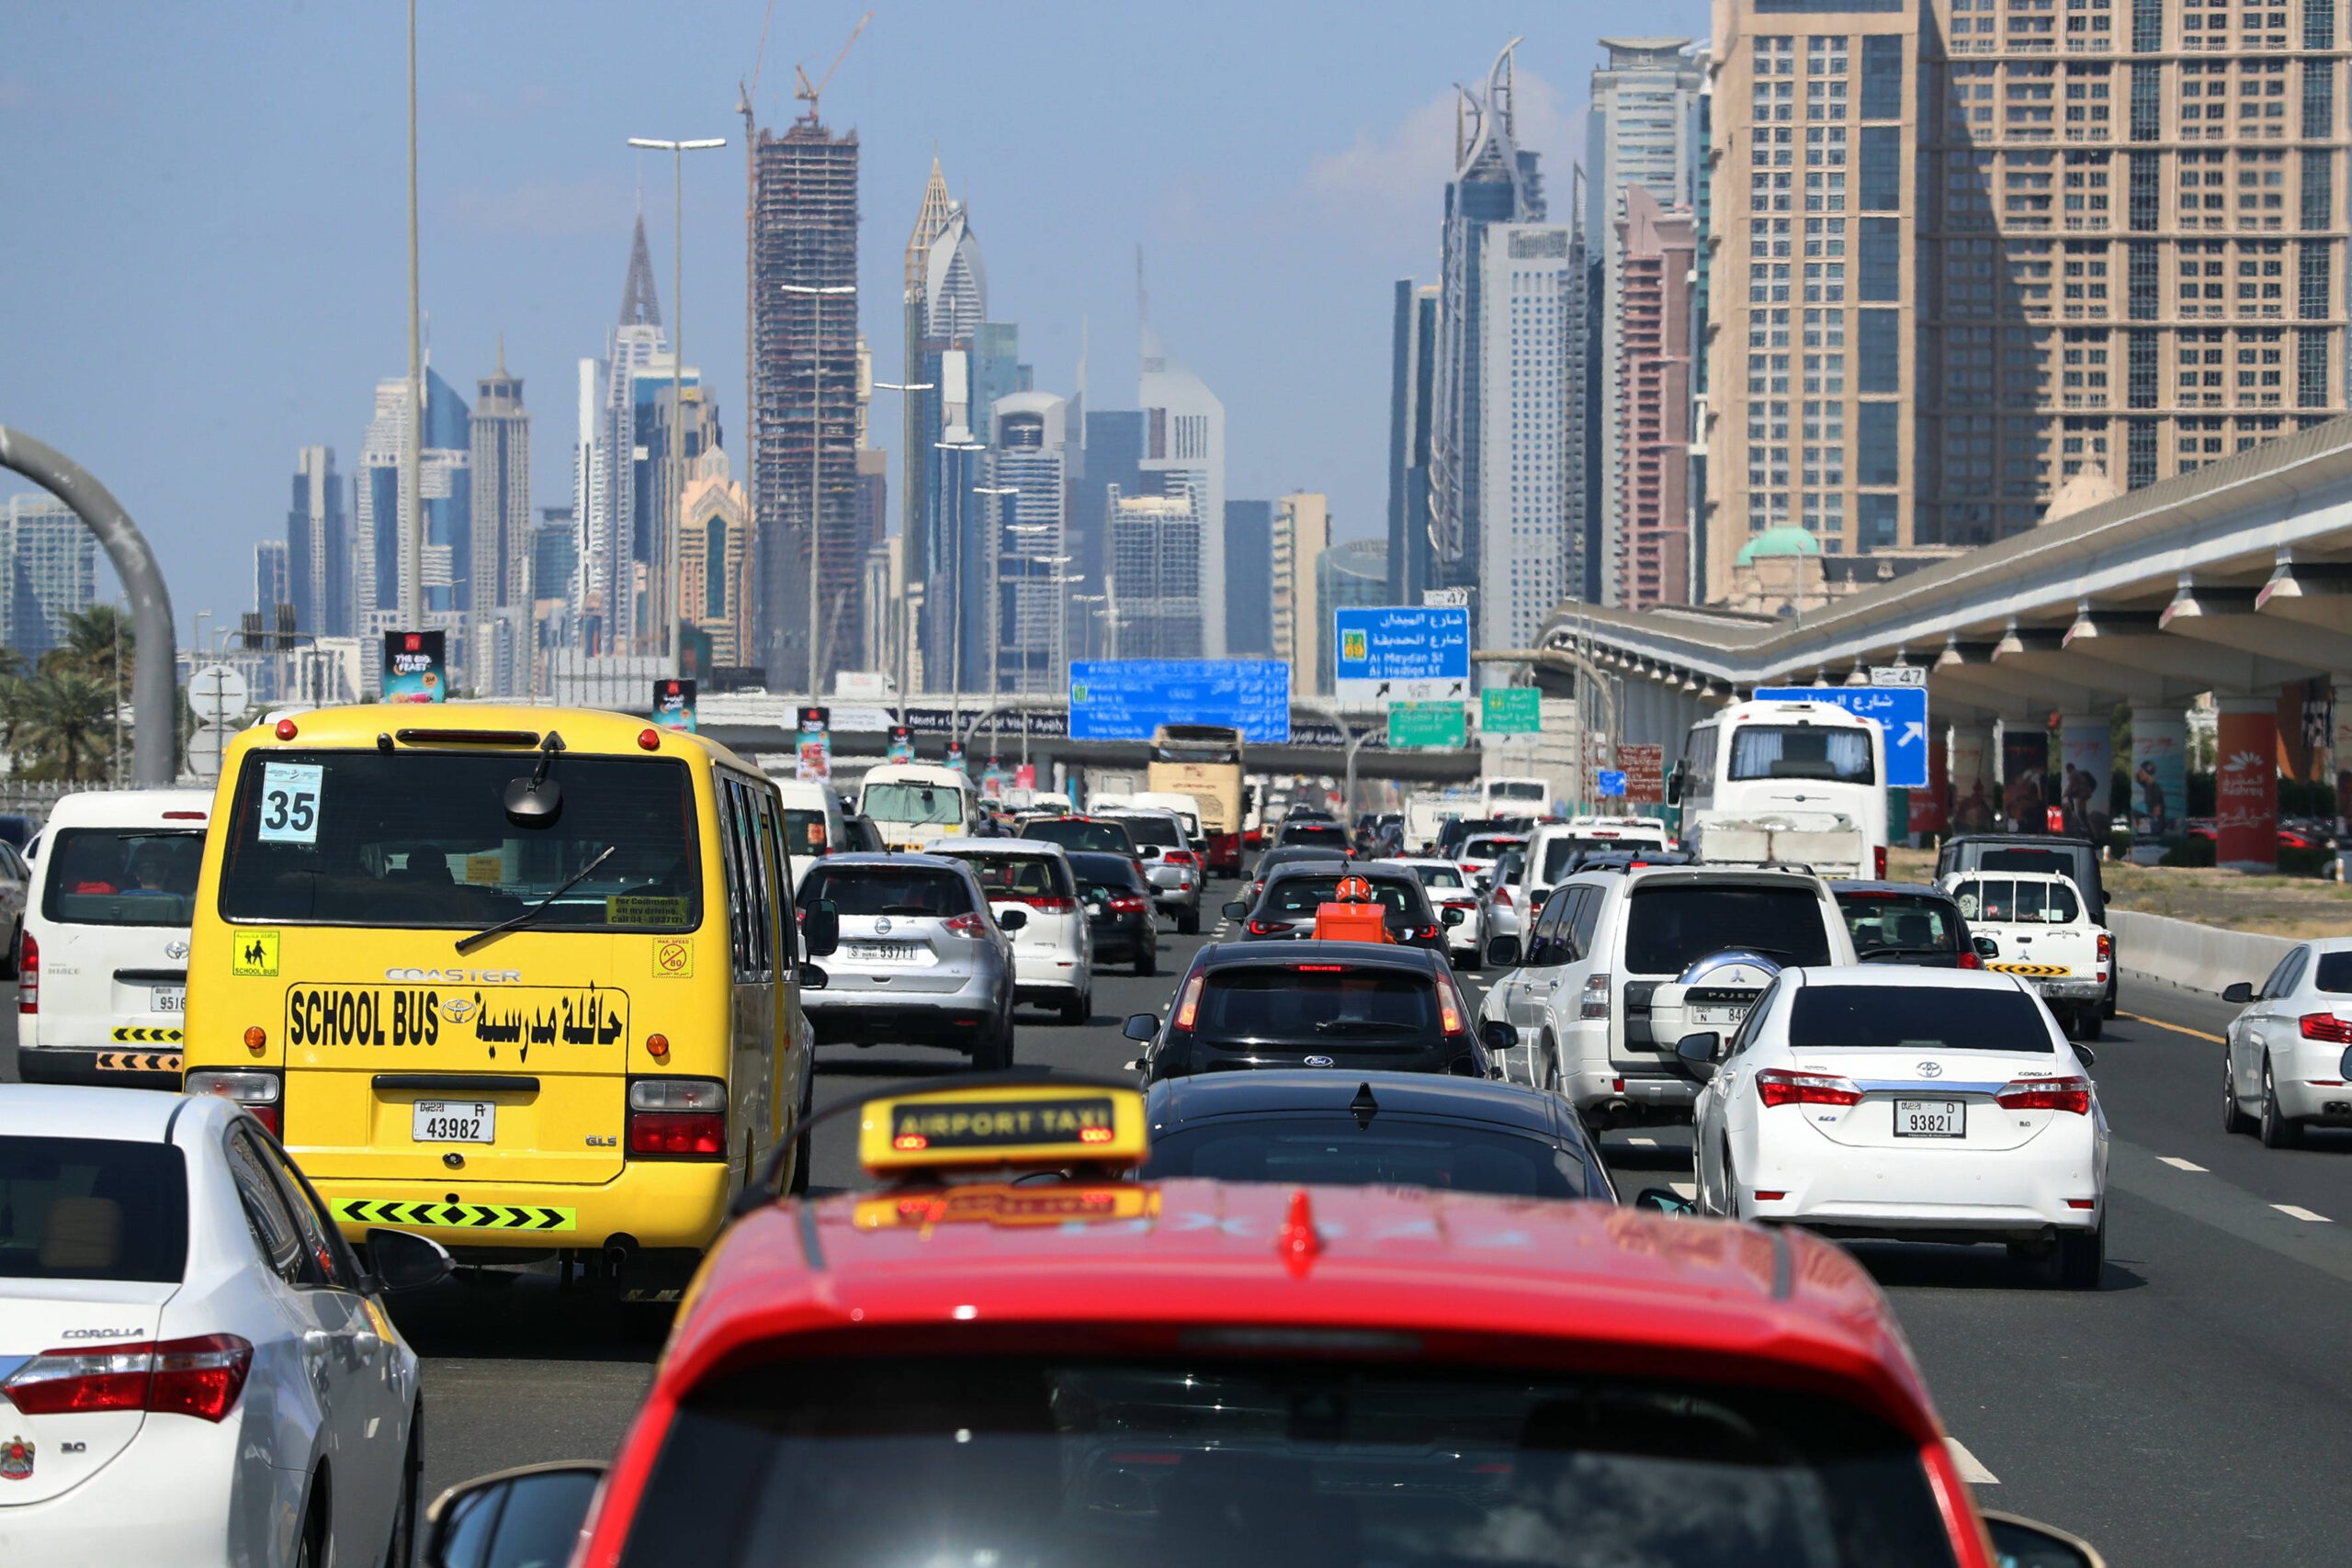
[{"x": 521, "y": 979}]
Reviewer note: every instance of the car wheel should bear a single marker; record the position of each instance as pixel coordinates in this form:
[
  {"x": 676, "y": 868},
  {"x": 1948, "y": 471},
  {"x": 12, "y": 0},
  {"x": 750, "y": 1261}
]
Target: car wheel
[
  {"x": 401, "y": 1551},
  {"x": 2089, "y": 1023},
  {"x": 8, "y": 967},
  {"x": 315, "y": 1549},
  {"x": 1148, "y": 957},
  {"x": 1078, "y": 1010},
  {"x": 2078, "y": 1260},
  {"x": 2277, "y": 1133},
  {"x": 804, "y": 1150},
  {"x": 2233, "y": 1118},
  {"x": 1188, "y": 922},
  {"x": 1730, "y": 1209}
]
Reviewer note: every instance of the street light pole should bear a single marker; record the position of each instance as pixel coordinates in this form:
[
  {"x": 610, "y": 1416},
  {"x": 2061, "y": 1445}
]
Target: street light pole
[
  {"x": 412, "y": 519},
  {"x": 994, "y": 556},
  {"x": 671, "y": 604},
  {"x": 956, "y": 600},
  {"x": 815, "y": 294},
  {"x": 904, "y": 609}
]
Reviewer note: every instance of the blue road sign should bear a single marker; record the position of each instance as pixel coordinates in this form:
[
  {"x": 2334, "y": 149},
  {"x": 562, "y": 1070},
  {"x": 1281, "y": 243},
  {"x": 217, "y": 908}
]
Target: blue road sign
[
  {"x": 1401, "y": 653},
  {"x": 1611, "y": 781},
  {"x": 1901, "y": 711},
  {"x": 1126, "y": 699}
]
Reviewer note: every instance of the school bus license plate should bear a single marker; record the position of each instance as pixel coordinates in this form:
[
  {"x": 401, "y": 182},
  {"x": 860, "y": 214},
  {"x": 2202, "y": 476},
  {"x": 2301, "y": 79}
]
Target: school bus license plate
[{"x": 454, "y": 1121}]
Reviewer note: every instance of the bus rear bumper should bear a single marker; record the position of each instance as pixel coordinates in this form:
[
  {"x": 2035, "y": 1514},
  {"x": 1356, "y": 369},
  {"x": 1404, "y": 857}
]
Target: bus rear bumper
[{"x": 652, "y": 1206}]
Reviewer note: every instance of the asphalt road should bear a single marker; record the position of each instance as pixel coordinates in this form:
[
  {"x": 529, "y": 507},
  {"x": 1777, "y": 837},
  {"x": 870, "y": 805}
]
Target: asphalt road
[{"x": 2191, "y": 1410}]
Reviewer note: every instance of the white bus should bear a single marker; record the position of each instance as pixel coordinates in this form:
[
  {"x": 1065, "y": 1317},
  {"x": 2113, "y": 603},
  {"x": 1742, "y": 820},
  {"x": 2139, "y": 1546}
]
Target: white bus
[
  {"x": 1505, "y": 796},
  {"x": 1785, "y": 781}
]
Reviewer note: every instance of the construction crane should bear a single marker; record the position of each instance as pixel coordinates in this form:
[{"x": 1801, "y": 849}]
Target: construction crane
[{"x": 810, "y": 94}]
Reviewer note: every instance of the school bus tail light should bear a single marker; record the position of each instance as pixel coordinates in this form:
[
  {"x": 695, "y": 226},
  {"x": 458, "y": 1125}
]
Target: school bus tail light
[
  {"x": 259, "y": 1092},
  {"x": 677, "y": 1119},
  {"x": 256, "y": 1039}
]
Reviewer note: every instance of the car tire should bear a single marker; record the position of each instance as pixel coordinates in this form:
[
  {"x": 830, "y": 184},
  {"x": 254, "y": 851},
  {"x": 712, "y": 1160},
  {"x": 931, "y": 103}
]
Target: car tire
[
  {"x": 2233, "y": 1118},
  {"x": 1147, "y": 958},
  {"x": 2078, "y": 1260},
  {"x": 314, "y": 1549},
  {"x": 2277, "y": 1132},
  {"x": 399, "y": 1550},
  {"x": 1188, "y": 922},
  {"x": 8, "y": 961},
  {"x": 804, "y": 1149},
  {"x": 2089, "y": 1023},
  {"x": 1076, "y": 1011}
]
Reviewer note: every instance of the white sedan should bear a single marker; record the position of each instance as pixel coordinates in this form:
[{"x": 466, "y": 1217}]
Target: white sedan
[
  {"x": 193, "y": 1368},
  {"x": 2289, "y": 1051},
  {"x": 1917, "y": 1104},
  {"x": 1450, "y": 887}
]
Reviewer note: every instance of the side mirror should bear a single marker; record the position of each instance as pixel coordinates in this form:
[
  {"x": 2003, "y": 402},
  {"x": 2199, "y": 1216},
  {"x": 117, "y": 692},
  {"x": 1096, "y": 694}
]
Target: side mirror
[
  {"x": 1988, "y": 948},
  {"x": 1700, "y": 1053},
  {"x": 1502, "y": 951},
  {"x": 1012, "y": 919},
  {"x": 1236, "y": 910},
  {"x": 2089, "y": 1057},
  {"x": 1665, "y": 1200},
  {"x": 1454, "y": 917},
  {"x": 820, "y": 932},
  {"x": 510, "y": 1519},
  {"x": 813, "y": 978},
  {"x": 1496, "y": 1035},
  {"x": 402, "y": 1260},
  {"x": 1141, "y": 1026},
  {"x": 1674, "y": 785},
  {"x": 2024, "y": 1543},
  {"x": 2238, "y": 993},
  {"x": 1150, "y": 852}
]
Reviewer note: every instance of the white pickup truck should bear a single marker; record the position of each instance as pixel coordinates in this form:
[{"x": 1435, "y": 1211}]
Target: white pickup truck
[{"x": 2043, "y": 934}]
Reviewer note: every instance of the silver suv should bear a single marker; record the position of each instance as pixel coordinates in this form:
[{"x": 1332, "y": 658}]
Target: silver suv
[
  {"x": 1170, "y": 862},
  {"x": 923, "y": 961}
]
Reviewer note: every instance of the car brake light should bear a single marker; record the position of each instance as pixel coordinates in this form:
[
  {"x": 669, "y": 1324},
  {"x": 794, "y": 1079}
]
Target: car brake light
[
  {"x": 2046, "y": 1094},
  {"x": 677, "y": 1118},
  {"x": 1502, "y": 897},
  {"x": 1783, "y": 1086},
  {"x": 1878, "y": 862},
  {"x": 199, "y": 1377},
  {"x": 1968, "y": 959},
  {"x": 2326, "y": 1026},
  {"x": 1535, "y": 901},
  {"x": 1129, "y": 905},
  {"x": 28, "y": 976},
  {"x": 259, "y": 1092},
  {"x": 1429, "y": 934},
  {"x": 1449, "y": 1010},
  {"x": 1594, "y": 1002},
  {"x": 1471, "y": 868},
  {"x": 965, "y": 925},
  {"x": 1189, "y": 1006},
  {"x": 1267, "y": 927},
  {"x": 2106, "y": 947},
  {"x": 1320, "y": 968},
  {"x": 1052, "y": 903},
  {"x": 1180, "y": 857}
]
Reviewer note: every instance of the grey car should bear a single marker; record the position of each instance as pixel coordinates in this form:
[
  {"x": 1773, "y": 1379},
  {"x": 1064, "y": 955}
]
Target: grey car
[
  {"x": 923, "y": 961},
  {"x": 1170, "y": 864}
]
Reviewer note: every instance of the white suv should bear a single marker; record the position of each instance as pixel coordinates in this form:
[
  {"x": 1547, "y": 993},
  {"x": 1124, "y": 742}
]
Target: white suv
[
  {"x": 1599, "y": 995},
  {"x": 1053, "y": 953}
]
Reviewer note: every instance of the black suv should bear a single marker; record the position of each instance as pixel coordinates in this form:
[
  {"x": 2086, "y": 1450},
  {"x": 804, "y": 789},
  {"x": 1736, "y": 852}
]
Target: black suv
[
  {"x": 1285, "y": 909},
  {"x": 1906, "y": 923},
  {"x": 1351, "y": 1005}
]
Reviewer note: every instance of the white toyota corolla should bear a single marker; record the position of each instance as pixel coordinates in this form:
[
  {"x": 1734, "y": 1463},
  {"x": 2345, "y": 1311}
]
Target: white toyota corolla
[
  {"x": 193, "y": 1368},
  {"x": 1915, "y": 1104}
]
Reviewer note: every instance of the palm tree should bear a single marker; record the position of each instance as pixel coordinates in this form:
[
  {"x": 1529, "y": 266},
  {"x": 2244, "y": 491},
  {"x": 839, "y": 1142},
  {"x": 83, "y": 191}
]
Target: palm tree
[
  {"x": 64, "y": 725},
  {"x": 89, "y": 642}
]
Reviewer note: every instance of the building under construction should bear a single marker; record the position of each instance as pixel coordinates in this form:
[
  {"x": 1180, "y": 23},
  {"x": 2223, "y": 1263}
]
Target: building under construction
[{"x": 804, "y": 395}]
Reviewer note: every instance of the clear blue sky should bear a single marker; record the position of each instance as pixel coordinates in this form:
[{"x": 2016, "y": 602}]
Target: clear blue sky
[{"x": 203, "y": 263}]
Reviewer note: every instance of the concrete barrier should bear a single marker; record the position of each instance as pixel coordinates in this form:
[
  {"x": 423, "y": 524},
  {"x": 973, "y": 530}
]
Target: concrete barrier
[{"x": 2195, "y": 957}]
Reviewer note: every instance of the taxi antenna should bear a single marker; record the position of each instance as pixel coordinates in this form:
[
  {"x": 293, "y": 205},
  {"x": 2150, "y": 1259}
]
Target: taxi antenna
[{"x": 1363, "y": 1106}]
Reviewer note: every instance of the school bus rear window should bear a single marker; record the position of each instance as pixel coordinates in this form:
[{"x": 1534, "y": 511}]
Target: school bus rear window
[{"x": 418, "y": 838}]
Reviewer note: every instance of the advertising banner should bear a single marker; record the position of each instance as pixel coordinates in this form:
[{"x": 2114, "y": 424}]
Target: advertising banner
[
  {"x": 1026, "y": 776},
  {"x": 2086, "y": 750},
  {"x": 816, "y": 745},
  {"x": 902, "y": 743},
  {"x": 2025, "y": 775},
  {"x": 2245, "y": 783},
  {"x": 674, "y": 704},
  {"x": 992, "y": 780},
  {"x": 1931, "y": 807},
  {"x": 2159, "y": 774},
  {"x": 1644, "y": 767},
  {"x": 956, "y": 757},
  {"x": 416, "y": 667}
]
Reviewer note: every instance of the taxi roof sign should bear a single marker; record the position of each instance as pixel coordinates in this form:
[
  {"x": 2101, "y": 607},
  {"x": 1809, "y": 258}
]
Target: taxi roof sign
[{"x": 995, "y": 1126}]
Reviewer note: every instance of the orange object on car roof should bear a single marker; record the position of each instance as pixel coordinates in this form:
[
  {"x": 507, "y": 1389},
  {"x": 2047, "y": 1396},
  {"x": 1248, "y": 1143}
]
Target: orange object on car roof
[{"x": 1350, "y": 922}]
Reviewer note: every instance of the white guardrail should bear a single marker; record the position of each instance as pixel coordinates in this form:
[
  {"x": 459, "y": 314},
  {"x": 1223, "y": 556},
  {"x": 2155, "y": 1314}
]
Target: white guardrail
[{"x": 2197, "y": 958}]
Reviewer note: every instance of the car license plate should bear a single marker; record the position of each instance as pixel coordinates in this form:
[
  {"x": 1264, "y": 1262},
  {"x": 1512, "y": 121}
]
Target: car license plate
[
  {"x": 880, "y": 952},
  {"x": 1731, "y": 1014},
  {"x": 1930, "y": 1119},
  {"x": 454, "y": 1121},
  {"x": 167, "y": 998}
]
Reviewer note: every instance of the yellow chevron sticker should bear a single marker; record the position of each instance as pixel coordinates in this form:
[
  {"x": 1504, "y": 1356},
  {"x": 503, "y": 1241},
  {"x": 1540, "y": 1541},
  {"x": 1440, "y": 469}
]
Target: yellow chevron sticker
[
  {"x": 140, "y": 1061},
  {"x": 144, "y": 1034},
  {"x": 2033, "y": 971},
  {"x": 462, "y": 1216}
]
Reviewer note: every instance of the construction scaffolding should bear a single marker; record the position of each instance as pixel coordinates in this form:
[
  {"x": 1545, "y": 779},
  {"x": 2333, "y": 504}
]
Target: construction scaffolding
[{"x": 803, "y": 394}]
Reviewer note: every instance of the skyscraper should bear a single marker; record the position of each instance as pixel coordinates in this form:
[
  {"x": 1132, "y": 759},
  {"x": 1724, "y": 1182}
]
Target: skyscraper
[
  {"x": 948, "y": 429},
  {"x": 1642, "y": 133},
  {"x": 1531, "y": 451},
  {"x": 604, "y": 488},
  {"x": 1249, "y": 580},
  {"x": 1651, "y": 380},
  {"x": 48, "y": 570},
  {"x": 444, "y": 473},
  {"x": 318, "y": 547},
  {"x": 716, "y": 557},
  {"x": 1412, "y": 369},
  {"x": 1301, "y": 532},
  {"x": 1156, "y": 611},
  {"x": 1183, "y": 455},
  {"x": 1113, "y": 456},
  {"x": 273, "y": 584},
  {"x": 1029, "y": 562},
  {"x": 501, "y": 433},
  {"x": 804, "y": 395}
]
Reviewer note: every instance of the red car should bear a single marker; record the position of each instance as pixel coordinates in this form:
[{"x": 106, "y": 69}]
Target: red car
[{"x": 1082, "y": 1368}]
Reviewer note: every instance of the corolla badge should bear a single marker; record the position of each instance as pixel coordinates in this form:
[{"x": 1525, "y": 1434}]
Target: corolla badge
[
  {"x": 1320, "y": 1062},
  {"x": 176, "y": 950},
  {"x": 881, "y": 925},
  {"x": 16, "y": 1459},
  {"x": 1930, "y": 1069}
]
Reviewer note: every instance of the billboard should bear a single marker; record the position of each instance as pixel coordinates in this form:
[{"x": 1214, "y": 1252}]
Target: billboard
[
  {"x": 416, "y": 667},
  {"x": 1400, "y": 653},
  {"x": 1644, "y": 767},
  {"x": 674, "y": 704},
  {"x": 1126, "y": 699}
]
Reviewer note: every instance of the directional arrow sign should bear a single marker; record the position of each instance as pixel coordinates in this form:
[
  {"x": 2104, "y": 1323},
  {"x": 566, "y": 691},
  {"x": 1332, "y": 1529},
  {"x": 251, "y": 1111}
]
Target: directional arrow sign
[{"x": 1901, "y": 711}]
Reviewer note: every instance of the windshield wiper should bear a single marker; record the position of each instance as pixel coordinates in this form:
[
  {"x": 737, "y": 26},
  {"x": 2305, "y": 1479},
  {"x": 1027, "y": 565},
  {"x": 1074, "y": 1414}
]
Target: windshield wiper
[{"x": 468, "y": 944}]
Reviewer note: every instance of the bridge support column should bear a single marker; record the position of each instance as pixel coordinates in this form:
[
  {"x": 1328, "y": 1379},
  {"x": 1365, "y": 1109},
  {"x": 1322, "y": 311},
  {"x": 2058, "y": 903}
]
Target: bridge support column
[
  {"x": 1975, "y": 803},
  {"x": 2088, "y": 772},
  {"x": 2159, "y": 772},
  {"x": 2245, "y": 784}
]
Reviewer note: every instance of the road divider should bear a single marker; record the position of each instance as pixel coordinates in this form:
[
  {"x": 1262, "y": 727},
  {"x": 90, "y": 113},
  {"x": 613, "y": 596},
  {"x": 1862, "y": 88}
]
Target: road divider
[{"x": 2195, "y": 957}]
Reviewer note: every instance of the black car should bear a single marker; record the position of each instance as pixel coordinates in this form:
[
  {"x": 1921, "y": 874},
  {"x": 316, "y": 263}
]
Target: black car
[
  {"x": 1285, "y": 909},
  {"x": 1457, "y": 829},
  {"x": 1905, "y": 922},
  {"x": 1374, "y": 1128},
  {"x": 860, "y": 836},
  {"x": 1272, "y": 859},
  {"x": 1351, "y": 1005},
  {"x": 1103, "y": 834},
  {"x": 1118, "y": 909},
  {"x": 1311, "y": 835}
]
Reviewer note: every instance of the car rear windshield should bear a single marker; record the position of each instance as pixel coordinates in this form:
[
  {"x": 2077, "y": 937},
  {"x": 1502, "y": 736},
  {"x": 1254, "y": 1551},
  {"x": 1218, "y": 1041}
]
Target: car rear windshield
[
  {"x": 1311, "y": 1003},
  {"x": 1488, "y": 849},
  {"x": 886, "y": 890},
  {"x": 1081, "y": 833},
  {"x": 2059, "y": 862},
  {"x": 1899, "y": 922},
  {"x": 1161, "y": 830},
  {"x": 1020, "y": 876},
  {"x": 2334, "y": 976},
  {"x": 418, "y": 837},
  {"x": 1116, "y": 874},
  {"x": 1437, "y": 875},
  {"x": 1920, "y": 1016},
  {"x": 1305, "y": 893},
  {"x": 1311, "y": 833},
  {"x": 92, "y": 1209},
  {"x": 1330, "y": 1150},
  {"x": 1559, "y": 851},
  {"x": 1204, "y": 1461},
  {"x": 121, "y": 877},
  {"x": 804, "y": 832},
  {"x": 1670, "y": 925},
  {"x": 918, "y": 805},
  {"x": 1801, "y": 751},
  {"x": 2004, "y": 898}
]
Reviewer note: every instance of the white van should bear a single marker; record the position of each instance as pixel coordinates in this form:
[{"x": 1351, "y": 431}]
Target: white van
[
  {"x": 103, "y": 990},
  {"x": 1187, "y": 810},
  {"x": 812, "y": 821},
  {"x": 910, "y": 803}
]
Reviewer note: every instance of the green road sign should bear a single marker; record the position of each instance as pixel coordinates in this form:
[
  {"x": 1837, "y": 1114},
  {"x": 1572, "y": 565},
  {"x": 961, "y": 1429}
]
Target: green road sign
[
  {"x": 1512, "y": 710},
  {"x": 1428, "y": 725}
]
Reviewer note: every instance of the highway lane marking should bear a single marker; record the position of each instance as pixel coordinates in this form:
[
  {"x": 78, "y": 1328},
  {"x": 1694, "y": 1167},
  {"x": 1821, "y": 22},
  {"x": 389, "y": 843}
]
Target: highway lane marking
[
  {"x": 2176, "y": 1028},
  {"x": 1685, "y": 1190},
  {"x": 1645, "y": 1143},
  {"x": 2294, "y": 1212},
  {"x": 2177, "y": 1163},
  {"x": 1971, "y": 1468}
]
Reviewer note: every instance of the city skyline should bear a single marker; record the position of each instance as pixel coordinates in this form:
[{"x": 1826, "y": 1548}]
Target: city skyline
[{"x": 528, "y": 193}]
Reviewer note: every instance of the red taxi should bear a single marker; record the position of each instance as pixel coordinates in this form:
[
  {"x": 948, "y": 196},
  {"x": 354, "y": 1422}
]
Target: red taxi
[{"x": 1056, "y": 1366}]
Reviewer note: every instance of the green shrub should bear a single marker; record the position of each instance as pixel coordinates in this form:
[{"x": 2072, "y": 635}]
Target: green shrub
[
  {"x": 2304, "y": 863},
  {"x": 2189, "y": 852}
]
